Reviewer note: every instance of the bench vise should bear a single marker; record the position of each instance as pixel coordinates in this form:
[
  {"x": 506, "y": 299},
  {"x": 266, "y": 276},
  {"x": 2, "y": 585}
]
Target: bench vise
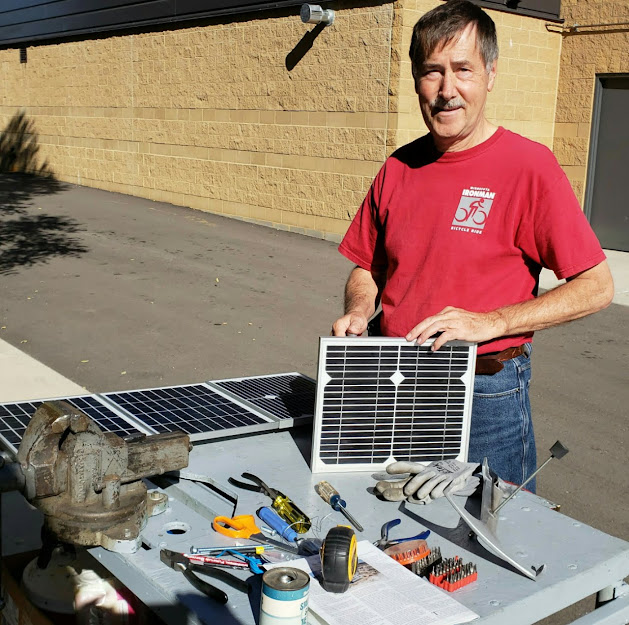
[{"x": 88, "y": 483}]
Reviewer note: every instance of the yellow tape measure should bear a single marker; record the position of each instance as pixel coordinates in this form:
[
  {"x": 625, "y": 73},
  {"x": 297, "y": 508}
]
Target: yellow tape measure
[{"x": 339, "y": 558}]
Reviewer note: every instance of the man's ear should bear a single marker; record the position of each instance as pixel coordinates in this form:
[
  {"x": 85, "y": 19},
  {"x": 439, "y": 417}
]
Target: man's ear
[{"x": 492, "y": 75}]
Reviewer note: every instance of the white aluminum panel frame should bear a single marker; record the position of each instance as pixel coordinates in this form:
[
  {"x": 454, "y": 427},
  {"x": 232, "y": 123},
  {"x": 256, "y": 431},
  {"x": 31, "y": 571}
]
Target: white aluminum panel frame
[{"x": 317, "y": 463}]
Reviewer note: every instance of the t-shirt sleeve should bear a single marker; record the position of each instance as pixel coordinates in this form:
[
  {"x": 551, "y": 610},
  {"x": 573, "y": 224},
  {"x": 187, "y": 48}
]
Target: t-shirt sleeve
[
  {"x": 556, "y": 234},
  {"x": 363, "y": 242}
]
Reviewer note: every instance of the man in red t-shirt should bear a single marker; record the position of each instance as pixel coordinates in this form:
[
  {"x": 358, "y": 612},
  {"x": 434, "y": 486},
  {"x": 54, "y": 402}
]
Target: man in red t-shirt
[{"x": 455, "y": 229}]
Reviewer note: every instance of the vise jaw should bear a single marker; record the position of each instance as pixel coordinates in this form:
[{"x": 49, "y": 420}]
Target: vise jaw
[{"x": 88, "y": 483}]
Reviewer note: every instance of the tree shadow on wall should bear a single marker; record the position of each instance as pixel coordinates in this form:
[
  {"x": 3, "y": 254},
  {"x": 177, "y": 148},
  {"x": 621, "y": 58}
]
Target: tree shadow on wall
[{"x": 27, "y": 236}]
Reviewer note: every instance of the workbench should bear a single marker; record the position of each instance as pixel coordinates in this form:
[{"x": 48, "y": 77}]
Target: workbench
[{"x": 580, "y": 560}]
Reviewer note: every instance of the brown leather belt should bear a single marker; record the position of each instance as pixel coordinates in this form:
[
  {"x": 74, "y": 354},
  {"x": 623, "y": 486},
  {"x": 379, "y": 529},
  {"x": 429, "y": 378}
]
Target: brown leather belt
[{"x": 488, "y": 364}]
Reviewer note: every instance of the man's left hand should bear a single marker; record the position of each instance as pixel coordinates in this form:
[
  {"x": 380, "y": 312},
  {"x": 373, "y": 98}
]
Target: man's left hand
[{"x": 456, "y": 323}]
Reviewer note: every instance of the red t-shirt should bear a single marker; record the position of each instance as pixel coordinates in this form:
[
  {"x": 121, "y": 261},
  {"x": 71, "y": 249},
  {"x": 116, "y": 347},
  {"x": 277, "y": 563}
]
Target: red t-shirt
[{"x": 470, "y": 229}]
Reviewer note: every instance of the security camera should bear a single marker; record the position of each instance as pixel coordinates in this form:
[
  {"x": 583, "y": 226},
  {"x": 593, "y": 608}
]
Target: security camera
[{"x": 314, "y": 14}]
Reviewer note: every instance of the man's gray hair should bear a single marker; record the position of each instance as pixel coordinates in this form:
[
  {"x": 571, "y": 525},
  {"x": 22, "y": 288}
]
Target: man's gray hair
[{"x": 444, "y": 24}]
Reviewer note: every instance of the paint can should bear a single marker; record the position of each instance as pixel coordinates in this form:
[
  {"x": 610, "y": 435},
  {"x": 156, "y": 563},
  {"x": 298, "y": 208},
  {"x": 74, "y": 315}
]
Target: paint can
[{"x": 284, "y": 597}]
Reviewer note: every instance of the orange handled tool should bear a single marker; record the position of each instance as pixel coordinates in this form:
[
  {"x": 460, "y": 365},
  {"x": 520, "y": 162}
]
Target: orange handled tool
[{"x": 244, "y": 526}]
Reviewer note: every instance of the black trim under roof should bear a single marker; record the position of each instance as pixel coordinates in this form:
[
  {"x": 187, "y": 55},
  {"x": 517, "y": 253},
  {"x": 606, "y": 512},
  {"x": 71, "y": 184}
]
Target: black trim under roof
[
  {"x": 30, "y": 21},
  {"x": 544, "y": 9}
]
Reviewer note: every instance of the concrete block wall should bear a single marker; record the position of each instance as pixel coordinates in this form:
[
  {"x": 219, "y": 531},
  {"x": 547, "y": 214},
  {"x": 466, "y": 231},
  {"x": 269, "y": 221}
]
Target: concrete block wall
[
  {"x": 523, "y": 98},
  {"x": 220, "y": 118},
  {"x": 586, "y": 53},
  {"x": 211, "y": 117}
]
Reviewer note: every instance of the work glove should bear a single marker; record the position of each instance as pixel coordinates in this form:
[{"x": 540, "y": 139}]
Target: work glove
[{"x": 420, "y": 484}]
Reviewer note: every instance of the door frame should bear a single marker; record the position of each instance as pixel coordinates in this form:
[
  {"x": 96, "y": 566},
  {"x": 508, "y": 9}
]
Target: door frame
[{"x": 594, "y": 136}]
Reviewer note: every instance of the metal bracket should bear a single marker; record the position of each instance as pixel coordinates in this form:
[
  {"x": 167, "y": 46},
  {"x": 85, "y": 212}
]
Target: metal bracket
[{"x": 486, "y": 536}]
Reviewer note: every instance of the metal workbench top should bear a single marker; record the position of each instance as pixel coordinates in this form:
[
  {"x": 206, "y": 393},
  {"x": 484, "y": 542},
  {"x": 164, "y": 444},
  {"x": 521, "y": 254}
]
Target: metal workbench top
[{"x": 579, "y": 559}]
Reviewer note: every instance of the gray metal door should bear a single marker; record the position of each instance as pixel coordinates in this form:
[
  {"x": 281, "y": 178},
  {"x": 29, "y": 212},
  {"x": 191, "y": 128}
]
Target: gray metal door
[{"x": 607, "y": 200}]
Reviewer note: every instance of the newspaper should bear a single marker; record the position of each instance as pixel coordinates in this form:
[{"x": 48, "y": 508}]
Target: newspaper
[{"x": 382, "y": 593}]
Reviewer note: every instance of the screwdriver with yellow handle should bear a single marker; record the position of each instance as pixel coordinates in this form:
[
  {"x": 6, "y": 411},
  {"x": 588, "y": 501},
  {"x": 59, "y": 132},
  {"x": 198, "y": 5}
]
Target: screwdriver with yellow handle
[
  {"x": 284, "y": 506},
  {"x": 329, "y": 494}
]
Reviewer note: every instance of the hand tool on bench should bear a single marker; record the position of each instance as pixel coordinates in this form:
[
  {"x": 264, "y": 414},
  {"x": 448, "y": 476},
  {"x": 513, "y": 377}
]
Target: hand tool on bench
[
  {"x": 330, "y": 495},
  {"x": 244, "y": 526},
  {"x": 339, "y": 559},
  {"x": 284, "y": 506},
  {"x": 179, "y": 562},
  {"x": 384, "y": 541}
]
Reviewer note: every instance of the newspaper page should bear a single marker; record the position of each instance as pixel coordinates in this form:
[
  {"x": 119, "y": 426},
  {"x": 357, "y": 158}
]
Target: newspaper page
[{"x": 382, "y": 593}]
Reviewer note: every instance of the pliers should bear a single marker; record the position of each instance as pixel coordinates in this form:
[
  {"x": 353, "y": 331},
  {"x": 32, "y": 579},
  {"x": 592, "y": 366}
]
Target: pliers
[
  {"x": 180, "y": 562},
  {"x": 258, "y": 486},
  {"x": 384, "y": 540}
]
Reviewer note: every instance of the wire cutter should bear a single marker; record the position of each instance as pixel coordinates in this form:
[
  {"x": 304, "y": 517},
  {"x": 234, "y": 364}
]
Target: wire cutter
[
  {"x": 179, "y": 562},
  {"x": 384, "y": 541}
]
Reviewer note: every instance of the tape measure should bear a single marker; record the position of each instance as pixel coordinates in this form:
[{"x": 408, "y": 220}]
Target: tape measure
[{"x": 339, "y": 558}]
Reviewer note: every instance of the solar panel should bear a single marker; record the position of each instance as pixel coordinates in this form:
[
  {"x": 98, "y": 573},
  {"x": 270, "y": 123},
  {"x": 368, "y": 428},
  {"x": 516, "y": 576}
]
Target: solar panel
[
  {"x": 14, "y": 418},
  {"x": 289, "y": 397},
  {"x": 385, "y": 399},
  {"x": 196, "y": 409}
]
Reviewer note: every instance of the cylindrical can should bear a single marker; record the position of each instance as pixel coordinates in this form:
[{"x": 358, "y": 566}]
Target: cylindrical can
[{"x": 284, "y": 597}]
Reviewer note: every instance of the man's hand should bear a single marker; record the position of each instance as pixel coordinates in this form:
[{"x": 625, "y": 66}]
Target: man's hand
[
  {"x": 581, "y": 295},
  {"x": 456, "y": 323},
  {"x": 352, "y": 323},
  {"x": 362, "y": 293}
]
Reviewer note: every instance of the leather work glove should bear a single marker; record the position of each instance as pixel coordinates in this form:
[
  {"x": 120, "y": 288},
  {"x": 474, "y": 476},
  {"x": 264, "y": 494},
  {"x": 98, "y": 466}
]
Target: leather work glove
[{"x": 420, "y": 484}]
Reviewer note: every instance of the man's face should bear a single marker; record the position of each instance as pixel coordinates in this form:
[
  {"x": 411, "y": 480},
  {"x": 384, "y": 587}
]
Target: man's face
[{"x": 452, "y": 87}]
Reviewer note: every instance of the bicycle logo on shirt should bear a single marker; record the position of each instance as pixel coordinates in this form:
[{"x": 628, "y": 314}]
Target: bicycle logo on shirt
[{"x": 473, "y": 210}]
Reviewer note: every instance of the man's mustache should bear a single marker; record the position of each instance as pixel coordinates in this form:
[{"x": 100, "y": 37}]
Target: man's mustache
[{"x": 439, "y": 104}]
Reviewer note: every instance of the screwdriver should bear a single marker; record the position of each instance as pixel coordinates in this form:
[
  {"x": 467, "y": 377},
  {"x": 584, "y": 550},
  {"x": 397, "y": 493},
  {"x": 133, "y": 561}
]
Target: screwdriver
[{"x": 329, "y": 494}]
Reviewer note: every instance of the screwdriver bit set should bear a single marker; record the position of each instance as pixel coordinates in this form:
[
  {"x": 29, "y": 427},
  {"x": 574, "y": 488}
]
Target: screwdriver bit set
[
  {"x": 424, "y": 566},
  {"x": 452, "y": 574}
]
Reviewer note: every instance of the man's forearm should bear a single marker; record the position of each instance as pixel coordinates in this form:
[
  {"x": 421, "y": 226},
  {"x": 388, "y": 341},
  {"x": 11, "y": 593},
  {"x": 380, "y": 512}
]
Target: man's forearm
[
  {"x": 362, "y": 292},
  {"x": 583, "y": 295}
]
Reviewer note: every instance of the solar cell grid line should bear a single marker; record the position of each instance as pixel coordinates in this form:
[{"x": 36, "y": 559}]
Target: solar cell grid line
[
  {"x": 199, "y": 410},
  {"x": 381, "y": 399},
  {"x": 285, "y": 397},
  {"x": 15, "y": 416}
]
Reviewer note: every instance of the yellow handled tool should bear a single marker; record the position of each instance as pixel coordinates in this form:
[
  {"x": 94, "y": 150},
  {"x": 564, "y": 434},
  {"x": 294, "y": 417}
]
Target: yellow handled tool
[{"x": 281, "y": 503}]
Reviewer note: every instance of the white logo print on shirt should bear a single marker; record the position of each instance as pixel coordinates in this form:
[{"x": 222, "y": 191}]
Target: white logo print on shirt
[{"x": 473, "y": 210}]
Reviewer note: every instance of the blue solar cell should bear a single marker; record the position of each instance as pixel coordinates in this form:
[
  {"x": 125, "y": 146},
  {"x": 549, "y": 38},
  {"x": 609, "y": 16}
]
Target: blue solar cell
[
  {"x": 14, "y": 417},
  {"x": 194, "y": 409},
  {"x": 285, "y": 396}
]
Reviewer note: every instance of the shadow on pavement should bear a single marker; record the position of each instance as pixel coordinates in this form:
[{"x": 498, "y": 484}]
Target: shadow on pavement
[{"x": 27, "y": 239}]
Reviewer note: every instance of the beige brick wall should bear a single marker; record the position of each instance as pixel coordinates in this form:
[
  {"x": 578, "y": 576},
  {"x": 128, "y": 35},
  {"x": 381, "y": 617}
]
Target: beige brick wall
[
  {"x": 211, "y": 117},
  {"x": 586, "y": 53},
  {"x": 523, "y": 98}
]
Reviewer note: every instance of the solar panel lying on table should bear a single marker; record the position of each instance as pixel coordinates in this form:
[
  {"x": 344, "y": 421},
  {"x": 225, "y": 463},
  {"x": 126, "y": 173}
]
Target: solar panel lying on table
[
  {"x": 196, "y": 409},
  {"x": 382, "y": 399},
  {"x": 14, "y": 418},
  {"x": 289, "y": 397}
]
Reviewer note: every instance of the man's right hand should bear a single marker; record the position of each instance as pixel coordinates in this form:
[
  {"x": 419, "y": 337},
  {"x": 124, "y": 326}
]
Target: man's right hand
[{"x": 352, "y": 323}]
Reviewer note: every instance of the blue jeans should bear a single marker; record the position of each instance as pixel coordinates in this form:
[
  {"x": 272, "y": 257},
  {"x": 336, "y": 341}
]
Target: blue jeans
[{"x": 502, "y": 429}]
